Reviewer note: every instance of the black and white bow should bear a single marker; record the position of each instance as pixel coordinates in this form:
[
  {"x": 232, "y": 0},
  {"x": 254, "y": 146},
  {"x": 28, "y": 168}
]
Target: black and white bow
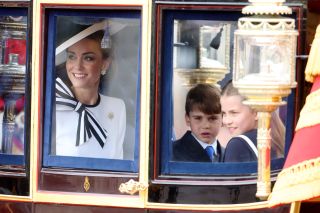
[{"x": 88, "y": 125}]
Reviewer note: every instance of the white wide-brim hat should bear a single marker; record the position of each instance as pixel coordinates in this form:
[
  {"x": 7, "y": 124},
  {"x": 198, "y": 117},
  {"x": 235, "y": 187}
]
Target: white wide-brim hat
[{"x": 74, "y": 32}]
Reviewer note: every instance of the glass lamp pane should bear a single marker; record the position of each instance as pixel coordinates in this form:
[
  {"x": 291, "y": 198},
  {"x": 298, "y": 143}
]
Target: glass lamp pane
[{"x": 264, "y": 59}]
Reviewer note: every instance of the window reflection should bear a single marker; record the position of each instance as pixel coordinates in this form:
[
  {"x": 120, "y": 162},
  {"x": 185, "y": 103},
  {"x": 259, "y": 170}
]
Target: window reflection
[
  {"x": 12, "y": 81},
  {"x": 202, "y": 53},
  {"x": 200, "y": 47}
]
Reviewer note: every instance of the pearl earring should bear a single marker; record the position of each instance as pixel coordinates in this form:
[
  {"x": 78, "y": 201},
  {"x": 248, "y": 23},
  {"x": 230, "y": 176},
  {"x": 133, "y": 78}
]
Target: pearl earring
[{"x": 103, "y": 71}]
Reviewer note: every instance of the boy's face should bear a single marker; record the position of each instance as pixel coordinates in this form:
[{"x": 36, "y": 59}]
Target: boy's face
[
  {"x": 205, "y": 127},
  {"x": 236, "y": 116}
]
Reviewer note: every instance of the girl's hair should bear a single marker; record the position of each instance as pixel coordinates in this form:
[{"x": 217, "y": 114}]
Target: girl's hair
[
  {"x": 230, "y": 90},
  {"x": 277, "y": 127},
  {"x": 278, "y": 131},
  {"x": 98, "y": 36}
]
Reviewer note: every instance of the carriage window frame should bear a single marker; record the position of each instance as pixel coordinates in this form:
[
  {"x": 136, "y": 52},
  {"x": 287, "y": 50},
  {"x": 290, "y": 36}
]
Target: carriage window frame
[
  {"x": 68, "y": 162},
  {"x": 21, "y": 159},
  {"x": 164, "y": 117}
]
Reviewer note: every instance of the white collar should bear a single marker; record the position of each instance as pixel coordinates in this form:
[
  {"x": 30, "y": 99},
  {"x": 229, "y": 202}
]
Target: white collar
[{"x": 204, "y": 145}]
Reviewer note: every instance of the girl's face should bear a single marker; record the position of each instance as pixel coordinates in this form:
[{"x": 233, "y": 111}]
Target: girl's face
[
  {"x": 236, "y": 116},
  {"x": 84, "y": 64}
]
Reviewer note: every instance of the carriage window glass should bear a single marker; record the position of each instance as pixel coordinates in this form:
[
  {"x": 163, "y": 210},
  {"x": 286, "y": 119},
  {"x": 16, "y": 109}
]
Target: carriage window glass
[
  {"x": 196, "y": 61},
  {"x": 13, "y": 59},
  {"x": 94, "y": 90}
]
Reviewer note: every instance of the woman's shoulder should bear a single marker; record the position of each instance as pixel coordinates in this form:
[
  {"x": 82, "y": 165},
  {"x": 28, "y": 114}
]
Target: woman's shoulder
[{"x": 111, "y": 101}]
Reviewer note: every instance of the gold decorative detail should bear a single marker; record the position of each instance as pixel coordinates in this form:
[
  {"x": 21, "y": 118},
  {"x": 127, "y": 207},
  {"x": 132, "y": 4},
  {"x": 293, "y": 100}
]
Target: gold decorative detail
[
  {"x": 261, "y": 23},
  {"x": 266, "y": 7},
  {"x": 110, "y": 115},
  {"x": 131, "y": 187},
  {"x": 303, "y": 177},
  {"x": 310, "y": 113},
  {"x": 86, "y": 184},
  {"x": 313, "y": 65},
  {"x": 265, "y": 134},
  {"x": 263, "y": 189},
  {"x": 264, "y": 144},
  {"x": 11, "y": 116},
  {"x": 192, "y": 77}
]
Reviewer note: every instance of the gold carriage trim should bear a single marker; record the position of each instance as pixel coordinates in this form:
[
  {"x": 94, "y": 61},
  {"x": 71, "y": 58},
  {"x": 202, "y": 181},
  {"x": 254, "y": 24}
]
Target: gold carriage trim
[
  {"x": 310, "y": 113},
  {"x": 297, "y": 183},
  {"x": 313, "y": 65}
]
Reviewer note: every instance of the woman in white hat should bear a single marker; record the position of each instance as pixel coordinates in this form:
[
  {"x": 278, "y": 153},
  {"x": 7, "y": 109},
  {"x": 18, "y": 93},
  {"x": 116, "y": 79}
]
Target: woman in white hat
[{"x": 88, "y": 124}]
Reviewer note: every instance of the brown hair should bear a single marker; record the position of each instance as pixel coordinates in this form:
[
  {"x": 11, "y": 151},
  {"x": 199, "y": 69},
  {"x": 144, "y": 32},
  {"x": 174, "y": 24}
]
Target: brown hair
[
  {"x": 277, "y": 126},
  {"x": 230, "y": 90},
  {"x": 205, "y": 98},
  {"x": 98, "y": 36}
]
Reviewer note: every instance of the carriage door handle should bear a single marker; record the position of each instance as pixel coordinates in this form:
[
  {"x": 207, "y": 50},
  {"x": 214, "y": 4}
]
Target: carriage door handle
[{"x": 131, "y": 187}]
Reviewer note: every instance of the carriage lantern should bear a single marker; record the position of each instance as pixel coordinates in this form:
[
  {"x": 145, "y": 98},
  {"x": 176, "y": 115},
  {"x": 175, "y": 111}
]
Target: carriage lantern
[{"x": 264, "y": 70}]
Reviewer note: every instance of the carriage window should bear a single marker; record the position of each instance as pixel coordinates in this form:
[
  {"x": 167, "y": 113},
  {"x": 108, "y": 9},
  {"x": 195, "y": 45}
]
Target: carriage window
[
  {"x": 201, "y": 54},
  {"x": 196, "y": 50},
  {"x": 93, "y": 90},
  {"x": 14, "y": 101},
  {"x": 13, "y": 60}
]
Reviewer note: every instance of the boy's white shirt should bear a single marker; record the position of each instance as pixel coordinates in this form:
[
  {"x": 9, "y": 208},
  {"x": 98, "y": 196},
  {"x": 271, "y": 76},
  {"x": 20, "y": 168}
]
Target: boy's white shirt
[{"x": 204, "y": 145}]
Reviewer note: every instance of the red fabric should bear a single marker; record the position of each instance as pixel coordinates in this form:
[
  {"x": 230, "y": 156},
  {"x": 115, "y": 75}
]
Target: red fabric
[
  {"x": 306, "y": 141},
  {"x": 17, "y": 46},
  {"x": 1, "y": 104},
  {"x": 316, "y": 84},
  {"x": 20, "y": 104},
  {"x": 305, "y": 145}
]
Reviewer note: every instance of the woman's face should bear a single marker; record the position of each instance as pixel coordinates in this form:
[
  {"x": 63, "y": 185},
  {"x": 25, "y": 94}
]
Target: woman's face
[
  {"x": 84, "y": 64},
  {"x": 236, "y": 116}
]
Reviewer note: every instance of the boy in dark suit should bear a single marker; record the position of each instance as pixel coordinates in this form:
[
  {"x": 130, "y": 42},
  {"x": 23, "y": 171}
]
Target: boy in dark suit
[{"x": 203, "y": 116}]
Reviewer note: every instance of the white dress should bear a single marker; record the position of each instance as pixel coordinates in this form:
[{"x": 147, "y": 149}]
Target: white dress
[{"x": 110, "y": 113}]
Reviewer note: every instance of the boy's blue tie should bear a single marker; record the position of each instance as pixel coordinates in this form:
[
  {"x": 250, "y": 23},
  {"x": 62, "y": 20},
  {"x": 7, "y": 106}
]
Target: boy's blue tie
[{"x": 210, "y": 152}]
